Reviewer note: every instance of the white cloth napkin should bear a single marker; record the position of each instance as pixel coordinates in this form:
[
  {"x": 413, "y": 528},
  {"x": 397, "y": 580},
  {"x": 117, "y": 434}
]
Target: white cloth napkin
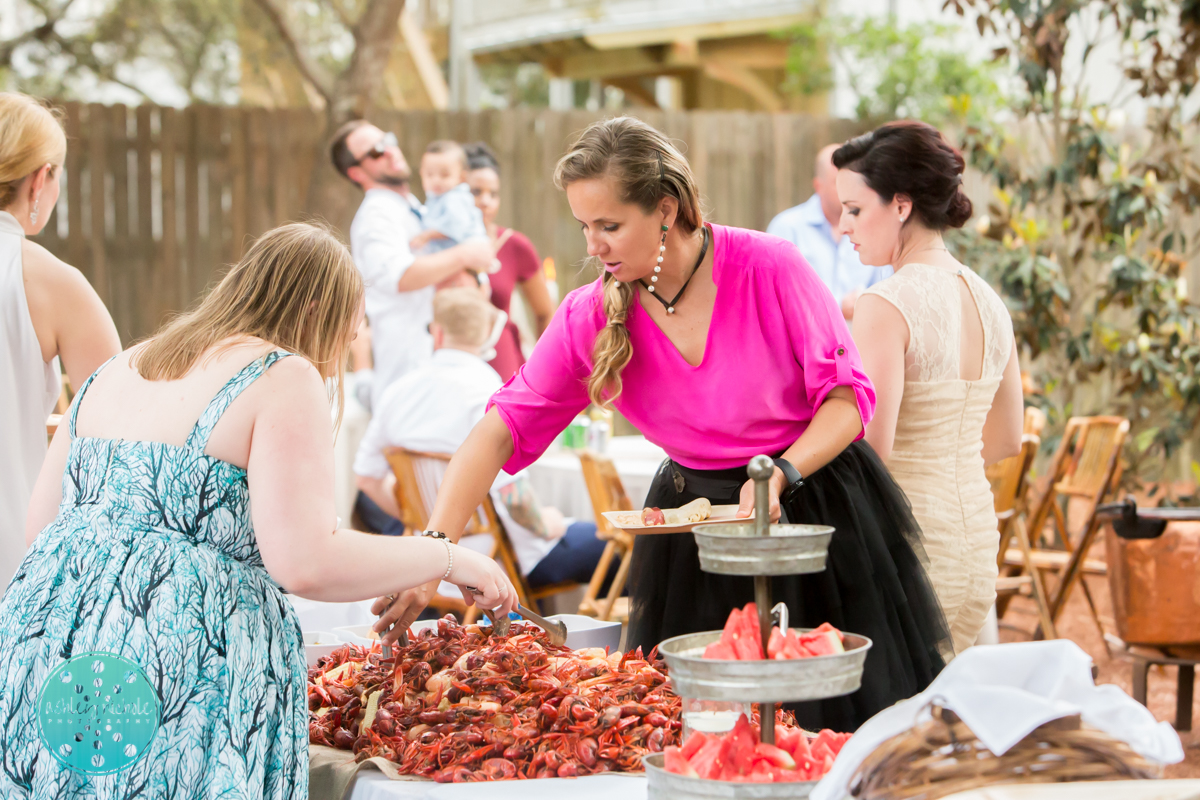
[{"x": 1002, "y": 692}]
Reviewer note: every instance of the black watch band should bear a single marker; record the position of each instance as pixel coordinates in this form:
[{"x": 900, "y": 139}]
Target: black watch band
[{"x": 790, "y": 474}]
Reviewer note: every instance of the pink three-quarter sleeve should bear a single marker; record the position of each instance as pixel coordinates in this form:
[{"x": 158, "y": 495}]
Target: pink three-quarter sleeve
[
  {"x": 820, "y": 340},
  {"x": 550, "y": 389}
]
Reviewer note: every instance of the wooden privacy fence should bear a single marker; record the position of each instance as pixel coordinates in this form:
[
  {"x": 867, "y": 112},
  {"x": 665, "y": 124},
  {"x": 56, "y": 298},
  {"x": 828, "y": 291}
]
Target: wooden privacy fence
[{"x": 157, "y": 201}]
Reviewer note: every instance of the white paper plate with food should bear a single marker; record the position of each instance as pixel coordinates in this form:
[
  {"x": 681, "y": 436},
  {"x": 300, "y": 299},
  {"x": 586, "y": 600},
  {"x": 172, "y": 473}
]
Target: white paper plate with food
[{"x": 672, "y": 520}]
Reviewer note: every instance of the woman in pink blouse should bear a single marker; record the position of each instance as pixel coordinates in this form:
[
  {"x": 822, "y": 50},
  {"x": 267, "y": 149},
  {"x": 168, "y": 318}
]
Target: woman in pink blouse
[{"x": 718, "y": 344}]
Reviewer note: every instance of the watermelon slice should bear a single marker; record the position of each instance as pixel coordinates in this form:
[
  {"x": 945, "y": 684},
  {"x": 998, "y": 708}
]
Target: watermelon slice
[
  {"x": 801, "y": 748},
  {"x": 731, "y": 767},
  {"x": 742, "y": 741},
  {"x": 720, "y": 650},
  {"x": 775, "y": 645},
  {"x": 749, "y": 641},
  {"x": 707, "y": 760},
  {"x": 741, "y": 640},
  {"x": 675, "y": 761},
  {"x": 825, "y": 627},
  {"x": 828, "y": 739},
  {"x": 807, "y": 767},
  {"x": 695, "y": 741},
  {"x": 792, "y": 647},
  {"x": 732, "y": 626},
  {"x": 824, "y": 643},
  {"x": 793, "y": 741},
  {"x": 777, "y": 756}
]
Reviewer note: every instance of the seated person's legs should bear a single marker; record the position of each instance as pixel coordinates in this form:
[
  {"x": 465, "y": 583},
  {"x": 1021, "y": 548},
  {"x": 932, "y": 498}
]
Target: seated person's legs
[
  {"x": 574, "y": 558},
  {"x": 376, "y": 519}
]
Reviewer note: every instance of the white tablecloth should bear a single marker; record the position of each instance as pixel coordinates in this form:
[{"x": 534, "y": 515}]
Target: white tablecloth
[
  {"x": 558, "y": 479},
  {"x": 373, "y": 786}
]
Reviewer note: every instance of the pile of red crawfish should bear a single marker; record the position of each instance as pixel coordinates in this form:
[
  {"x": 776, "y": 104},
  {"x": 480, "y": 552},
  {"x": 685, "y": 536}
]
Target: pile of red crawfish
[{"x": 460, "y": 704}]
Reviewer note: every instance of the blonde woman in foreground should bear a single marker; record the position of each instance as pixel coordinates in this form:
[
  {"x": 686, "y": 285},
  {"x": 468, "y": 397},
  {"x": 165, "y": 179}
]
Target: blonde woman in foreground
[
  {"x": 49, "y": 311},
  {"x": 192, "y": 483}
]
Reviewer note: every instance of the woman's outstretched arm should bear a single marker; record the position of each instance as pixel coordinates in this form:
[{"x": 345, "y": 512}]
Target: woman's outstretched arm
[
  {"x": 467, "y": 480},
  {"x": 290, "y": 474}
]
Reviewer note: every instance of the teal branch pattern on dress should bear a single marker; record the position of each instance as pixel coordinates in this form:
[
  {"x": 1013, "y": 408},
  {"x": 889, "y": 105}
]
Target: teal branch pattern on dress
[{"x": 152, "y": 558}]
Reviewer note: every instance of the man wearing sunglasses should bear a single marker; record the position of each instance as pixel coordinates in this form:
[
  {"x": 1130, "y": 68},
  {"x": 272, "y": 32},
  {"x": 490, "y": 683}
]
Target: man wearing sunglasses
[{"x": 400, "y": 286}]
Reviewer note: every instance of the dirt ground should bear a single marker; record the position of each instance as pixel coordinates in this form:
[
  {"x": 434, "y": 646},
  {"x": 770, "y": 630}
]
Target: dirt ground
[{"x": 1077, "y": 625}]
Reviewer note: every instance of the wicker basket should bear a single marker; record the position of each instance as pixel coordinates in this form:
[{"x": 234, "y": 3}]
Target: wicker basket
[{"x": 941, "y": 756}]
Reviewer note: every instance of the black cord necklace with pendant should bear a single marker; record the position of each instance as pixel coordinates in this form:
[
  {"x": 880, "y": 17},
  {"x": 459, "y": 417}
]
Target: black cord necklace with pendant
[{"x": 670, "y": 304}]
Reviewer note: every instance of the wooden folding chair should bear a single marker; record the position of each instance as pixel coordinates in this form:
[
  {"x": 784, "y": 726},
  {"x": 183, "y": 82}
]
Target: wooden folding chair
[
  {"x": 1087, "y": 465},
  {"x": 418, "y": 476},
  {"x": 607, "y": 494},
  {"x": 1035, "y": 421},
  {"x": 1009, "y": 479}
]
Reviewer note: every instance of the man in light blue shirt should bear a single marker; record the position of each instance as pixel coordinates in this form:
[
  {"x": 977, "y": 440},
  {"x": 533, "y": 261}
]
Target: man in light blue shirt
[{"x": 813, "y": 227}]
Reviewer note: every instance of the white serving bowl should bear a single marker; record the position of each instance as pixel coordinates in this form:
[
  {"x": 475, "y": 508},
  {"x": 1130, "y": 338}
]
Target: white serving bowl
[
  {"x": 590, "y": 632},
  {"x": 581, "y": 631},
  {"x": 364, "y": 635},
  {"x": 318, "y": 644}
]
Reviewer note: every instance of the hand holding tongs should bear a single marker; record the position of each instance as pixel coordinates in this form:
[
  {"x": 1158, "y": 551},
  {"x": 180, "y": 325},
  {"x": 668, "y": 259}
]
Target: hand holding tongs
[
  {"x": 386, "y": 647},
  {"x": 556, "y": 630}
]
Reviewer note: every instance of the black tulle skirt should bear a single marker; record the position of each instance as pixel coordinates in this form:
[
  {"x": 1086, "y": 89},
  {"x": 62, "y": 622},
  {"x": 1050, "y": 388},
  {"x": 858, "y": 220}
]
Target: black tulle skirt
[{"x": 874, "y": 583}]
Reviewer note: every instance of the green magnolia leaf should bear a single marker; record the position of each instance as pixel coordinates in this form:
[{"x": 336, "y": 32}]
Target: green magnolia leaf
[{"x": 1144, "y": 439}]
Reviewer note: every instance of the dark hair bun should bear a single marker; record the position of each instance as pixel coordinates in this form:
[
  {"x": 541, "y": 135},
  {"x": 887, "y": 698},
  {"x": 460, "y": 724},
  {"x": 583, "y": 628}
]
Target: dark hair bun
[
  {"x": 911, "y": 158},
  {"x": 960, "y": 209},
  {"x": 480, "y": 156}
]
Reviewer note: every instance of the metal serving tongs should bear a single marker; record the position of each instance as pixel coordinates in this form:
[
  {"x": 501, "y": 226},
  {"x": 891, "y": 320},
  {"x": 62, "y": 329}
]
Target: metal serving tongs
[
  {"x": 385, "y": 647},
  {"x": 557, "y": 630}
]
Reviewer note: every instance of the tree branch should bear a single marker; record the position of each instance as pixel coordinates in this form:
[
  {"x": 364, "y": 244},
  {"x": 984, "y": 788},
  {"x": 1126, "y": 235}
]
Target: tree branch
[
  {"x": 374, "y": 35},
  {"x": 313, "y": 72},
  {"x": 342, "y": 13},
  {"x": 42, "y": 33}
]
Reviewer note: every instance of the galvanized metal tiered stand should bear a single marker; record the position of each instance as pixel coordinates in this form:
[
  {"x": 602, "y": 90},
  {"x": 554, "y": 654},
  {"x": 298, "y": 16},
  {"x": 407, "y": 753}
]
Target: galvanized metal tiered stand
[{"x": 761, "y": 550}]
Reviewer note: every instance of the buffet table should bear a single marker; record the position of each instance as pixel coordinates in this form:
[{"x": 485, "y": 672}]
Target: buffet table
[
  {"x": 374, "y": 786},
  {"x": 558, "y": 479}
]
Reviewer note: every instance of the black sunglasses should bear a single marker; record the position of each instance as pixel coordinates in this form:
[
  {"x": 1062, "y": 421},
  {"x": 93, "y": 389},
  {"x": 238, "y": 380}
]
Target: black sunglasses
[{"x": 379, "y": 148}]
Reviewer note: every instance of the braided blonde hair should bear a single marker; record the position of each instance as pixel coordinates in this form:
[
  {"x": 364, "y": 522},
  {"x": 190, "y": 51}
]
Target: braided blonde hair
[{"x": 647, "y": 168}]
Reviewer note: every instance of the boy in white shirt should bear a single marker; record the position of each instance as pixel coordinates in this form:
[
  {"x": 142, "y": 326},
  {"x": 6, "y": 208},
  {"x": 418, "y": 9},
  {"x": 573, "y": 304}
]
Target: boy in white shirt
[{"x": 432, "y": 409}]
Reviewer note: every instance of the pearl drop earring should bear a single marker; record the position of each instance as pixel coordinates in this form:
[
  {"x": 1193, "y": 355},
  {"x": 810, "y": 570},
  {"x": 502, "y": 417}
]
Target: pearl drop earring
[
  {"x": 33, "y": 213},
  {"x": 662, "y": 248}
]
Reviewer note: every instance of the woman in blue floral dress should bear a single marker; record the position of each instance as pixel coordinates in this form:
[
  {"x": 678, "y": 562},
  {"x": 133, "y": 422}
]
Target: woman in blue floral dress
[{"x": 146, "y": 646}]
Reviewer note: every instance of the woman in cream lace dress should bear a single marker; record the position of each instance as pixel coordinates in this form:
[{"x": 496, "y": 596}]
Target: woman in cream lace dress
[{"x": 938, "y": 344}]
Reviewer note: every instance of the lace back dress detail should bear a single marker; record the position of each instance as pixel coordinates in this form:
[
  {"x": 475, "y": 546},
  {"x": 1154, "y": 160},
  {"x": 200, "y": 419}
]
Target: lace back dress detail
[
  {"x": 936, "y": 456},
  {"x": 152, "y": 557}
]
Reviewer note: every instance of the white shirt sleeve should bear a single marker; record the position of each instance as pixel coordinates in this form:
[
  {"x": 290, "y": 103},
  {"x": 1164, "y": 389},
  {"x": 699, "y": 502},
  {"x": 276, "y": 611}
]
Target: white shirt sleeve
[
  {"x": 380, "y": 250},
  {"x": 369, "y": 461},
  {"x": 779, "y": 226}
]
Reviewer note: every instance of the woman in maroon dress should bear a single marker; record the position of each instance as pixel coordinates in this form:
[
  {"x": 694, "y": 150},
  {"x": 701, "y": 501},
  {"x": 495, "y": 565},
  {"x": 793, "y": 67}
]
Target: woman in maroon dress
[{"x": 519, "y": 264}]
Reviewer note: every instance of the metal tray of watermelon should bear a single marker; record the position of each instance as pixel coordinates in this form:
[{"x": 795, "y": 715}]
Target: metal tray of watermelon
[
  {"x": 785, "y": 550},
  {"x": 663, "y": 785},
  {"x": 765, "y": 681}
]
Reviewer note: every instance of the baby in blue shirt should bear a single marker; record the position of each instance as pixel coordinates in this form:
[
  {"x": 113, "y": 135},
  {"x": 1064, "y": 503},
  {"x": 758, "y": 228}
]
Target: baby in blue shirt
[{"x": 450, "y": 216}]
